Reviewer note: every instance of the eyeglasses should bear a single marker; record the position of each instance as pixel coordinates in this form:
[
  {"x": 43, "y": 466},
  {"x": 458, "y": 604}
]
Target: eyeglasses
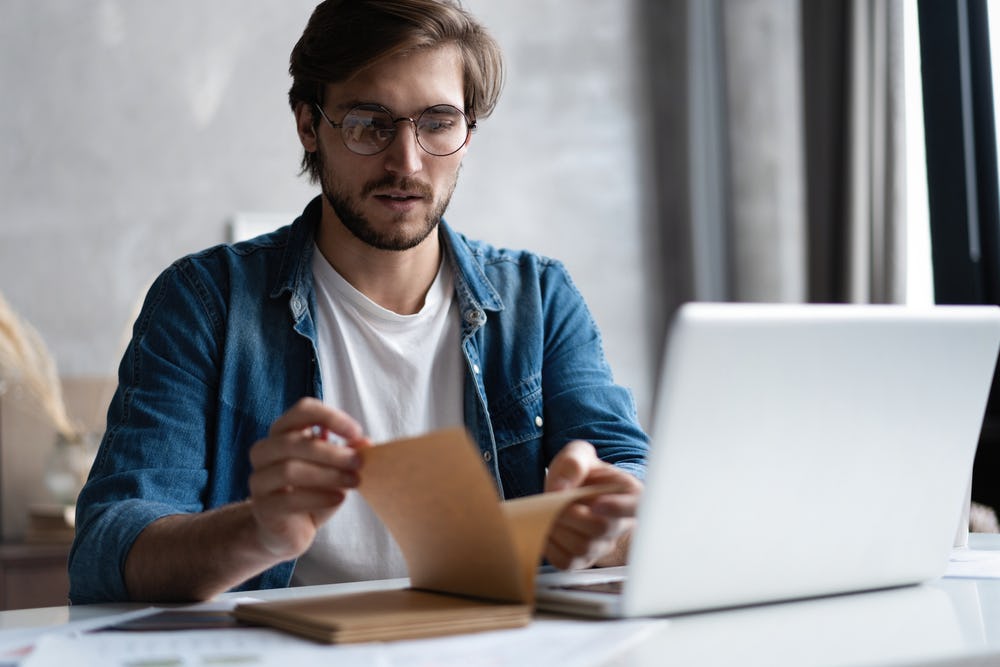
[{"x": 368, "y": 129}]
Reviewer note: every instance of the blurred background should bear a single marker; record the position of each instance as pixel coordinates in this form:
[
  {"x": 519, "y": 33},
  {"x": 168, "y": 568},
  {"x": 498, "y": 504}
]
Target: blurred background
[{"x": 665, "y": 150}]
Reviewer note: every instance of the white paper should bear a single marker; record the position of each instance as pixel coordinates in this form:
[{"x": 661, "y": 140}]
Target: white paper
[
  {"x": 163, "y": 649},
  {"x": 16, "y": 643},
  {"x": 543, "y": 643},
  {"x": 974, "y": 563}
]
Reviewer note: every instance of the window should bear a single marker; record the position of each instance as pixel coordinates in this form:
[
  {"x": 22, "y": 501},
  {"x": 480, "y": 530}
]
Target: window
[{"x": 960, "y": 131}]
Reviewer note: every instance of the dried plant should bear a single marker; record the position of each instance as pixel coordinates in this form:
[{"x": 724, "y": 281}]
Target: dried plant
[{"x": 24, "y": 358}]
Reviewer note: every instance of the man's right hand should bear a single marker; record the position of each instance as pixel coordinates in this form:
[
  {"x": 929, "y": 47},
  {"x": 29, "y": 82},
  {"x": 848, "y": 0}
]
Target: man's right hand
[
  {"x": 299, "y": 478},
  {"x": 298, "y": 481}
]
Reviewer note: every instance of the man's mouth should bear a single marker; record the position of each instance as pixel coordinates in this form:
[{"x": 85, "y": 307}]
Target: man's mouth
[
  {"x": 398, "y": 196},
  {"x": 399, "y": 201}
]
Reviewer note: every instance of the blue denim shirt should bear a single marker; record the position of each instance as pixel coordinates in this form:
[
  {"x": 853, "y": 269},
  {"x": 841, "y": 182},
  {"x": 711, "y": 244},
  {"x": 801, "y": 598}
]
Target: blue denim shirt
[{"x": 226, "y": 342}]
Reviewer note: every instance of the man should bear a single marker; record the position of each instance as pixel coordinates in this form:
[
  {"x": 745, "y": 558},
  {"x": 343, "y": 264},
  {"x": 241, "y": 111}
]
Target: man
[{"x": 367, "y": 319}]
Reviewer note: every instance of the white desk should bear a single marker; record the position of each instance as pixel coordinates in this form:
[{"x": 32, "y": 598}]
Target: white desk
[{"x": 949, "y": 621}]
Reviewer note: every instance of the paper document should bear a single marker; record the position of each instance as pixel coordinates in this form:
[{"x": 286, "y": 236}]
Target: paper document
[
  {"x": 545, "y": 643},
  {"x": 973, "y": 564},
  {"x": 17, "y": 643},
  {"x": 247, "y": 646}
]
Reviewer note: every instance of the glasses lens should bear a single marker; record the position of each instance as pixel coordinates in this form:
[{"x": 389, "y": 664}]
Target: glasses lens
[
  {"x": 442, "y": 130},
  {"x": 367, "y": 129}
]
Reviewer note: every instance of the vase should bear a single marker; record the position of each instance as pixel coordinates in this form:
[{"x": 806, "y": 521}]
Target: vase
[{"x": 68, "y": 465}]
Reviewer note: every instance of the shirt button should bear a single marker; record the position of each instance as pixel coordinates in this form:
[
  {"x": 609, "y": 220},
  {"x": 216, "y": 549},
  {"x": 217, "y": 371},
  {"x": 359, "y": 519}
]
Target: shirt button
[
  {"x": 538, "y": 421},
  {"x": 474, "y": 316},
  {"x": 475, "y": 368},
  {"x": 487, "y": 456}
]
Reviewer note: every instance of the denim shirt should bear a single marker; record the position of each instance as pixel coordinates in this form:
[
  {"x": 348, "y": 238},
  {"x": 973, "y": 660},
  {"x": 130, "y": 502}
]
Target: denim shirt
[{"x": 226, "y": 342}]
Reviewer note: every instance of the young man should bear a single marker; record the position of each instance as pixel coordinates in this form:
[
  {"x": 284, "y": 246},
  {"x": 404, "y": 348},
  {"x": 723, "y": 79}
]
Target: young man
[{"x": 368, "y": 318}]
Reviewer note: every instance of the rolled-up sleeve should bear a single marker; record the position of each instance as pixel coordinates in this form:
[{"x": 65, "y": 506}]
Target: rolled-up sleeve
[
  {"x": 153, "y": 458},
  {"x": 582, "y": 400}
]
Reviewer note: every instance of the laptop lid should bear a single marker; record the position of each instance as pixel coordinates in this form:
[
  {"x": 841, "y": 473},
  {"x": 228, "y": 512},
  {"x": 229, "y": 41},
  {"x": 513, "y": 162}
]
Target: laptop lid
[{"x": 805, "y": 450}]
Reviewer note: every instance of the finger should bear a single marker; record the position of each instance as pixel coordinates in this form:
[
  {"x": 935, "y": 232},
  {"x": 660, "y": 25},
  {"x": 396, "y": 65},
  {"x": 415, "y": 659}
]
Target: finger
[
  {"x": 572, "y": 541},
  {"x": 308, "y": 412},
  {"x": 578, "y": 529},
  {"x": 564, "y": 550},
  {"x": 359, "y": 443},
  {"x": 579, "y": 518},
  {"x": 571, "y": 466},
  {"x": 615, "y": 506},
  {"x": 557, "y": 556},
  {"x": 302, "y": 445},
  {"x": 295, "y": 474},
  {"x": 569, "y": 550},
  {"x": 279, "y": 507},
  {"x": 317, "y": 432},
  {"x": 606, "y": 473}
]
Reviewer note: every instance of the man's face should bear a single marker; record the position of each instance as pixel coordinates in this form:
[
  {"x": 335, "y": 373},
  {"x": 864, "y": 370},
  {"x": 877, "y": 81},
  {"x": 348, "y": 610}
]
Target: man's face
[{"x": 394, "y": 199}]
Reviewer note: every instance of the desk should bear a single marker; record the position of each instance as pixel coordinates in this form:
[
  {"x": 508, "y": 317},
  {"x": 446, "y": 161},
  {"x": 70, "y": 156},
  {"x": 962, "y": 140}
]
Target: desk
[
  {"x": 33, "y": 575},
  {"x": 945, "y": 622}
]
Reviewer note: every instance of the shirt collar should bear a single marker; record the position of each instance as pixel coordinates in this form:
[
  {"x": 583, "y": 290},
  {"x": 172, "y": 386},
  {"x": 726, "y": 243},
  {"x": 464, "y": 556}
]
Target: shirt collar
[{"x": 474, "y": 290}]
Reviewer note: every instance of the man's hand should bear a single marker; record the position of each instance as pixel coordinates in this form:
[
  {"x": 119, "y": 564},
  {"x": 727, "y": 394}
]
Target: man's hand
[
  {"x": 299, "y": 479},
  {"x": 592, "y": 531}
]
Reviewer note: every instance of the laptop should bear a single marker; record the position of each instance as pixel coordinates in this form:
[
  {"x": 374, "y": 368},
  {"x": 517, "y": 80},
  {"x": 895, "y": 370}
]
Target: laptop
[{"x": 799, "y": 451}]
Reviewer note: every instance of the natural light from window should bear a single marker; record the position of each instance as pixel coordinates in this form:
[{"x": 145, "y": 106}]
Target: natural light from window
[
  {"x": 993, "y": 17},
  {"x": 919, "y": 275}
]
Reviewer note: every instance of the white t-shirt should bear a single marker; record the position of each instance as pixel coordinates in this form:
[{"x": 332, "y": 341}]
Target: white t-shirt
[{"x": 399, "y": 376}]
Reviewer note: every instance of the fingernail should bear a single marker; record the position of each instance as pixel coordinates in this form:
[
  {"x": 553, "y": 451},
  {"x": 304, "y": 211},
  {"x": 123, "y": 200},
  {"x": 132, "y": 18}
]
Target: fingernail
[{"x": 318, "y": 432}]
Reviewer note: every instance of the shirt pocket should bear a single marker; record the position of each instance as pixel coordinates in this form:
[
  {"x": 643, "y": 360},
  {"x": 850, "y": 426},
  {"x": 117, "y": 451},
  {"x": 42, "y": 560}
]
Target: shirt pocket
[{"x": 518, "y": 428}]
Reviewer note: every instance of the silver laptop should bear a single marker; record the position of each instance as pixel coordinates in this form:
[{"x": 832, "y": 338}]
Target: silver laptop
[{"x": 799, "y": 451}]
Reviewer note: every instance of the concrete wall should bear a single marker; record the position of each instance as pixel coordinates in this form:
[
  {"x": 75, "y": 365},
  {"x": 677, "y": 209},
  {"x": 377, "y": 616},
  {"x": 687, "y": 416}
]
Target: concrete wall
[{"x": 133, "y": 130}]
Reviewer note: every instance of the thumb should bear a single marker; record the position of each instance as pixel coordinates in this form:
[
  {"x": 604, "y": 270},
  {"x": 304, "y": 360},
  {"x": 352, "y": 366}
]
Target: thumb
[{"x": 570, "y": 467}]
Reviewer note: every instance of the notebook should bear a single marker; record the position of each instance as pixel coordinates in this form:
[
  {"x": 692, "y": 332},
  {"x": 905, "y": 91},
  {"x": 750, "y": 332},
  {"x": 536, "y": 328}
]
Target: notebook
[{"x": 799, "y": 451}]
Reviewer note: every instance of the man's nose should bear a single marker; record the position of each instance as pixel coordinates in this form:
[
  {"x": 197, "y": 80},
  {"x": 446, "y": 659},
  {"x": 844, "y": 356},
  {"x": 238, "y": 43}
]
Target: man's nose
[{"x": 404, "y": 155}]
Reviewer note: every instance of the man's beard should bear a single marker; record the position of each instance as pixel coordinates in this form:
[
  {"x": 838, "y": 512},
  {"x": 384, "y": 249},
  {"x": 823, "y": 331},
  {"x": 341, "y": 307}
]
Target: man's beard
[{"x": 396, "y": 238}]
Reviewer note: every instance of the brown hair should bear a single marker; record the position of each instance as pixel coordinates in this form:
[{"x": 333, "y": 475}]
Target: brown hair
[{"x": 343, "y": 37}]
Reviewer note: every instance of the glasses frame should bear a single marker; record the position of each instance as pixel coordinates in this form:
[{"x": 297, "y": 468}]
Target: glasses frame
[{"x": 470, "y": 125}]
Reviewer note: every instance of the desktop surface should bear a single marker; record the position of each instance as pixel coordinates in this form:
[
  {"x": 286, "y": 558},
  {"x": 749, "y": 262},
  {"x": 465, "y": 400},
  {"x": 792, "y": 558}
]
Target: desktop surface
[{"x": 948, "y": 621}]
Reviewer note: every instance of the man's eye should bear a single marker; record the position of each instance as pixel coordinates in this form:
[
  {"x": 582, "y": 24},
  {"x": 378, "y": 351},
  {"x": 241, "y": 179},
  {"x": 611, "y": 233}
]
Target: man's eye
[
  {"x": 442, "y": 123},
  {"x": 438, "y": 126}
]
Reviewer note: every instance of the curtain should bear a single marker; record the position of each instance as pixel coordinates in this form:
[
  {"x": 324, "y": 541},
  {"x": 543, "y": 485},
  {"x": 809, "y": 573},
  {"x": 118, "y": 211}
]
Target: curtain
[
  {"x": 777, "y": 151},
  {"x": 855, "y": 148}
]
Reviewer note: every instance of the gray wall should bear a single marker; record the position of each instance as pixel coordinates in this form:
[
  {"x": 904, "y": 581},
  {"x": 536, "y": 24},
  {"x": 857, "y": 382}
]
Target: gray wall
[{"x": 133, "y": 130}]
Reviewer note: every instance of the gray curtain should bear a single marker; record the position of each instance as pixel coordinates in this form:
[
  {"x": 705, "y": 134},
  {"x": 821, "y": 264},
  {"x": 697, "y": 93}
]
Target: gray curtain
[
  {"x": 777, "y": 151},
  {"x": 854, "y": 113}
]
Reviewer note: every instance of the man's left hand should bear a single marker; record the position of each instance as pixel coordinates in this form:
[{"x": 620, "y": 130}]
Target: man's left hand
[{"x": 596, "y": 530}]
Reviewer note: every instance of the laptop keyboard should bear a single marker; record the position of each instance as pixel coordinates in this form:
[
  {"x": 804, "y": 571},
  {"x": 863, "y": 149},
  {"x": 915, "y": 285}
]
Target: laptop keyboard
[{"x": 609, "y": 587}]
